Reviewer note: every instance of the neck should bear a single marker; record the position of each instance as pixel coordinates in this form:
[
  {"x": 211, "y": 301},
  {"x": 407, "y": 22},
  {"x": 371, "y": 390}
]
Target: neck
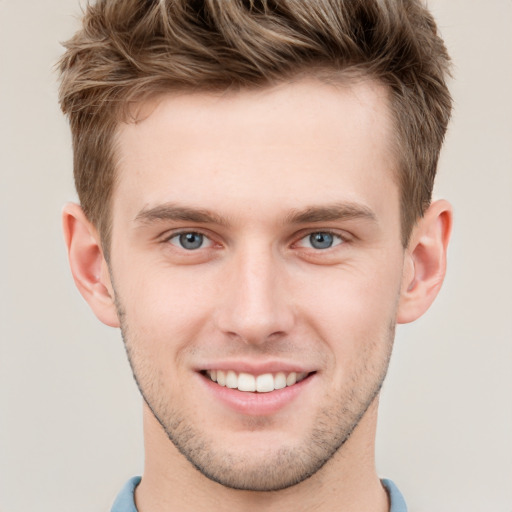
[{"x": 347, "y": 482}]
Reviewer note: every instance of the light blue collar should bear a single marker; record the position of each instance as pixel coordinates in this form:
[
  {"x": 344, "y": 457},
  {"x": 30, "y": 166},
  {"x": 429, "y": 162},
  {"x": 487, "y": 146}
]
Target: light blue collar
[{"x": 125, "y": 501}]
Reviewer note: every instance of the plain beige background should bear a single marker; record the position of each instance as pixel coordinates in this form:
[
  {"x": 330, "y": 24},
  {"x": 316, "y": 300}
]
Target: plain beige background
[{"x": 70, "y": 418}]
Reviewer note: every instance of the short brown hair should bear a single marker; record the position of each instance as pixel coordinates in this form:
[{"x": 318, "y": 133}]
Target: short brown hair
[{"x": 131, "y": 50}]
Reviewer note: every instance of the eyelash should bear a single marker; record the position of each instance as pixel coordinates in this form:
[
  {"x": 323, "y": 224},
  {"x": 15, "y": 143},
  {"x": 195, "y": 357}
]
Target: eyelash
[
  {"x": 342, "y": 239},
  {"x": 184, "y": 233}
]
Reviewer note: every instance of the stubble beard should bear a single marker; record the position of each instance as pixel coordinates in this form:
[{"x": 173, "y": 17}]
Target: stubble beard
[{"x": 272, "y": 470}]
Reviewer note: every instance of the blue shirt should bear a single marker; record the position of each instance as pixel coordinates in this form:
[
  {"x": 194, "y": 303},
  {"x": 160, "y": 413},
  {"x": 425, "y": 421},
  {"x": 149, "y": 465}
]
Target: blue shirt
[{"x": 125, "y": 501}]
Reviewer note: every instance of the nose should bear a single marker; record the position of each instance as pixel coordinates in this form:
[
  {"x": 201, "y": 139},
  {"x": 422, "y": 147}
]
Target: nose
[{"x": 256, "y": 305}]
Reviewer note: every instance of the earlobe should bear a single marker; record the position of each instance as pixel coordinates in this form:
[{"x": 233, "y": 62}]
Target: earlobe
[
  {"x": 425, "y": 262},
  {"x": 88, "y": 264}
]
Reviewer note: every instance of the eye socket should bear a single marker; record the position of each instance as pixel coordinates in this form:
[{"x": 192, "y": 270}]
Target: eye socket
[
  {"x": 190, "y": 241},
  {"x": 321, "y": 240}
]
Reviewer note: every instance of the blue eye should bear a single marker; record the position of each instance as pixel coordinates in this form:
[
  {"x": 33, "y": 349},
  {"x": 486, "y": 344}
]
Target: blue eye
[
  {"x": 190, "y": 241},
  {"x": 321, "y": 240}
]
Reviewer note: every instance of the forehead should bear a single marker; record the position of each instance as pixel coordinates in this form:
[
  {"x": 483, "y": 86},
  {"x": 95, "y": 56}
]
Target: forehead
[{"x": 289, "y": 145}]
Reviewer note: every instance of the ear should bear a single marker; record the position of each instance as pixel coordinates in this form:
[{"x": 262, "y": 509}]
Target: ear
[
  {"x": 88, "y": 265},
  {"x": 425, "y": 262}
]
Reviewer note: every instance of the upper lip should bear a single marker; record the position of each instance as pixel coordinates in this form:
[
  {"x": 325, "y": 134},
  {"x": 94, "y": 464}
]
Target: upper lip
[{"x": 256, "y": 368}]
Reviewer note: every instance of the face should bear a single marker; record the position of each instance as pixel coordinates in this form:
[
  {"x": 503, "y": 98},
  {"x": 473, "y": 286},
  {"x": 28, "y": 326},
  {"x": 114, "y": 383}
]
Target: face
[{"x": 256, "y": 262}]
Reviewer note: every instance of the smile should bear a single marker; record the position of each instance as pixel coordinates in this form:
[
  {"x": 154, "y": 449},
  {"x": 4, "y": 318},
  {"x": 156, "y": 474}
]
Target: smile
[{"x": 264, "y": 383}]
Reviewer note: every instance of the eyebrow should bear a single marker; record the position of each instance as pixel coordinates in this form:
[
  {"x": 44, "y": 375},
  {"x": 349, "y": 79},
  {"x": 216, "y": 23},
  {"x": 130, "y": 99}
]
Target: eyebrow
[
  {"x": 312, "y": 214},
  {"x": 333, "y": 212},
  {"x": 171, "y": 212}
]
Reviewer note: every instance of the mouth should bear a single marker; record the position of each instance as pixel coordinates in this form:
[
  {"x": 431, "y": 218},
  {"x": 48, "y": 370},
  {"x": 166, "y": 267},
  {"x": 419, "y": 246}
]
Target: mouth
[{"x": 247, "y": 382}]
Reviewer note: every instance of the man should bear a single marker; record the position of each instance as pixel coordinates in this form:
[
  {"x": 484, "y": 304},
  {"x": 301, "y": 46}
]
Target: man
[{"x": 255, "y": 181}]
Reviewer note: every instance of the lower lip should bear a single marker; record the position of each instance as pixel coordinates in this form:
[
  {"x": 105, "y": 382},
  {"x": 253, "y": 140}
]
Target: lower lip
[{"x": 257, "y": 404}]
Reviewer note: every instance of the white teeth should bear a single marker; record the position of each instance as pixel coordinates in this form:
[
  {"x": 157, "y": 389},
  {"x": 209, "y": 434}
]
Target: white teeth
[
  {"x": 231, "y": 380},
  {"x": 246, "y": 382},
  {"x": 291, "y": 379},
  {"x": 264, "y": 383},
  {"x": 221, "y": 378},
  {"x": 280, "y": 381}
]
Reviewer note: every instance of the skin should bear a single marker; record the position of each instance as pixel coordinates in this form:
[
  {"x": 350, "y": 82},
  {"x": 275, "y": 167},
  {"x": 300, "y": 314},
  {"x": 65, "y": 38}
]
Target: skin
[{"x": 255, "y": 173}]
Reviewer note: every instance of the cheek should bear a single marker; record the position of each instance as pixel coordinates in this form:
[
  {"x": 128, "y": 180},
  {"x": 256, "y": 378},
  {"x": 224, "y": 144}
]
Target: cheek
[
  {"x": 351, "y": 308},
  {"x": 164, "y": 307}
]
